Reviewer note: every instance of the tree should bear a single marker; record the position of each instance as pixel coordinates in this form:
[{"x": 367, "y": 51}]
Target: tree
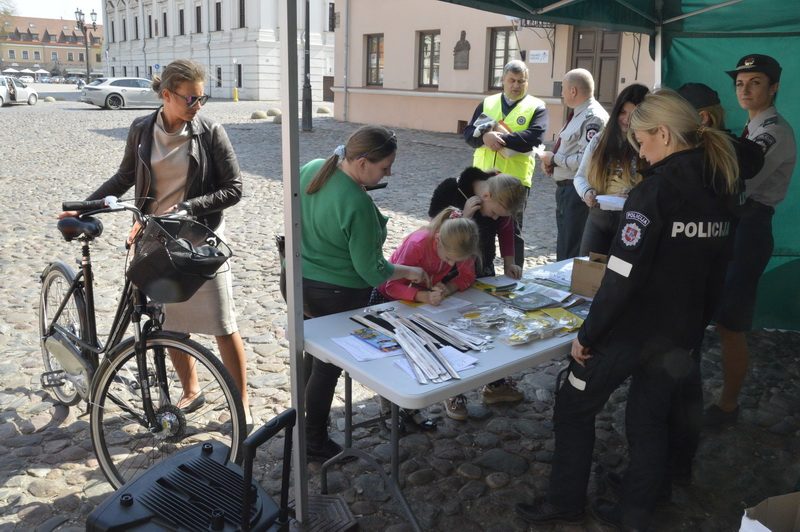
[{"x": 7, "y": 9}]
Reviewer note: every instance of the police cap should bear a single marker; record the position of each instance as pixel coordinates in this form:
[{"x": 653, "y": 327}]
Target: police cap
[
  {"x": 758, "y": 63},
  {"x": 699, "y": 95}
]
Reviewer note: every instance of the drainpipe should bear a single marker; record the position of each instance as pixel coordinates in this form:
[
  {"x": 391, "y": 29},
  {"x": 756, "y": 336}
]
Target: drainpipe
[
  {"x": 144, "y": 38},
  {"x": 208, "y": 41},
  {"x": 346, "y": 57}
]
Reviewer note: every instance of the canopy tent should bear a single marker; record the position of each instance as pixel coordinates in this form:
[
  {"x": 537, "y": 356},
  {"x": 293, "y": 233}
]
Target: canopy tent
[
  {"x": 697, "y": 40},
  {"x": 42, "y": 71},
  {"x": 10, "y": 70},
  {"x": 27, "y": 71}
]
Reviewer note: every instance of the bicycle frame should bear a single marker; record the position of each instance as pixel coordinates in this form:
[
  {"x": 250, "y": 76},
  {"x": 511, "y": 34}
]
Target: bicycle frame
[{"x": 130, "y": 308}]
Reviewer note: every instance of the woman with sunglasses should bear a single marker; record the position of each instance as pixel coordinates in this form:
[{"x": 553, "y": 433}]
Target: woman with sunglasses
[
  {"x": 342, "y": 250},
  {"x": 176, "y": 156}
]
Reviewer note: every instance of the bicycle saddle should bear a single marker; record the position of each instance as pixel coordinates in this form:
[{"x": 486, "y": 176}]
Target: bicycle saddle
[{"x": 88, "y": 227}]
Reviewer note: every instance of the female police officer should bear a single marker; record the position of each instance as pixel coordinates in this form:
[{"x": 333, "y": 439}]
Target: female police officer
[{"x": 664, "y": 275}]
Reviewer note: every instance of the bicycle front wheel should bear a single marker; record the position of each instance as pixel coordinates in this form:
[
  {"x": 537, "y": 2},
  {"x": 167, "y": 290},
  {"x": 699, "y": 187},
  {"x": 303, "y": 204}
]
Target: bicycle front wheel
[{"x": 125, "y": 442}]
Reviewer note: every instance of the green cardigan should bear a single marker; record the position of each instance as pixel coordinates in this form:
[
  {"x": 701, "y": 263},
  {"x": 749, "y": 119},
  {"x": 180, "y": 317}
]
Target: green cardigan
[{"x": 343, "y": 232}]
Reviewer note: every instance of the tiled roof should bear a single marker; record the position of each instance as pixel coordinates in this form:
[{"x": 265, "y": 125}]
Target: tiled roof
[{"x": 38, "y": 26}]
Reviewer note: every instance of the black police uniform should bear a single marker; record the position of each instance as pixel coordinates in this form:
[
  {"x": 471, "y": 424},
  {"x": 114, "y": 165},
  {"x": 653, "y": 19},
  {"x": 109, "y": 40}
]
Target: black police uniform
[{"x": 664, "y": 277}]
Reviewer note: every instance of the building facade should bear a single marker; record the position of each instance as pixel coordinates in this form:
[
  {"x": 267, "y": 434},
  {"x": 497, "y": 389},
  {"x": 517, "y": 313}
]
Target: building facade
[
  {"x": 426, "y": 65},
  {"x": 238, "y": 41},
  {"x": 54, "y": 45}
]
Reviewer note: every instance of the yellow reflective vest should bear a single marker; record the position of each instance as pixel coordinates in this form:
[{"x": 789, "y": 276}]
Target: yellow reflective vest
[{"x": 520, "y": 165}]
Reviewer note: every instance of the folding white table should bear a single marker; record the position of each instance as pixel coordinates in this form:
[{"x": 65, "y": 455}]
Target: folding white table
[{"x": 384, "y": 377}]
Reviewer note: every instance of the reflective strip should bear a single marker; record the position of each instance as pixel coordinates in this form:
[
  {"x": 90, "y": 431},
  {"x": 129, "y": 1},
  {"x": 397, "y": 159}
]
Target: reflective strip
[
  {"x": 615, "y": 264},
  {"x": 576, "y": 382}
]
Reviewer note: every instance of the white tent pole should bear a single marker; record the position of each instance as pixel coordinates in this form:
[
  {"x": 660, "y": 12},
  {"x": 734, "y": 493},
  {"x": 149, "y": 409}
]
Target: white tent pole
[
  {"x": 701, "y": 11},
  {"x": 291, "y": 226},
  {"x": 658, "y": 37}
]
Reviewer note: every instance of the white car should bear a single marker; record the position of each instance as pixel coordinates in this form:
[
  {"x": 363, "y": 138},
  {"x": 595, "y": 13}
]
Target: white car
[
  {"x": 26, "y": 79},
  {"x": 116, "y": 93},
  {"x": 13, "y": 90}
]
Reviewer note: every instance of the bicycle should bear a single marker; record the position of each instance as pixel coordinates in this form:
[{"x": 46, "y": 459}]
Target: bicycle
[{"x": 131, "y": 384}]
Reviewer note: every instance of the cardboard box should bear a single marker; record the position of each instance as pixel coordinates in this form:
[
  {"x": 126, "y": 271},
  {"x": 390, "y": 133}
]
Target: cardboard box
[
  {"x": 588, "y": 274},
  {"x": 777, "y": 514}
]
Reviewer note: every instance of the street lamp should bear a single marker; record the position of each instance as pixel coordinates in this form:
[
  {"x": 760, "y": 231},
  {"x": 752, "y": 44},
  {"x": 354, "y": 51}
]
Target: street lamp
[{"x": 81, "y": 21}]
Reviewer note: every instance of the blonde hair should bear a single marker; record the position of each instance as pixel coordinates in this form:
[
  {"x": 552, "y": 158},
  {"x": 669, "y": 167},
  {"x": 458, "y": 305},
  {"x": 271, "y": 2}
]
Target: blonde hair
[
  {"x": 457, "y": 235},
  {"x": 177, "y": 72},
  {"x": 374, "y": 143},
  {"x": 508, "y": 192},
  {"x": 668, "y": 109}
]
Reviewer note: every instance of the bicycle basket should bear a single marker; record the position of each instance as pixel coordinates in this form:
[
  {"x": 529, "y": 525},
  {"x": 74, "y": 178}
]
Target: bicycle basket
[{"x": 174, "y": 257}]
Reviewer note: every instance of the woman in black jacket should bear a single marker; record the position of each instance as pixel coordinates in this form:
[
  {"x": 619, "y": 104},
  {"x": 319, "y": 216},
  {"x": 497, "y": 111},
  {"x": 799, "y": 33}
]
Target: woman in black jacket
[{"x": 175, "y": 156}]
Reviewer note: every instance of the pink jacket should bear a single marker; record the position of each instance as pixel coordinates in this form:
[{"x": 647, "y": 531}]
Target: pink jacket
[{"x": 419, "y": 249}]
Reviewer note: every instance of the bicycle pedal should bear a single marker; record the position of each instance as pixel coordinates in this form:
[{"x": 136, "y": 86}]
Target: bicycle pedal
[{"x": 52, "y": 379}]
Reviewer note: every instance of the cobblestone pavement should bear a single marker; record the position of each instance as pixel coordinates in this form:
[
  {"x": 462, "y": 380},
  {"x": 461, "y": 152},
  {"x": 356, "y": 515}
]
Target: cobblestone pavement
[{"x": 464, "y": 476}]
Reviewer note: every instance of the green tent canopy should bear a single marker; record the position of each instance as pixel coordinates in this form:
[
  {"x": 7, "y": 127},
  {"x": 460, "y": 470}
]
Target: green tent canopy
[{"x": 698, "y": 40}]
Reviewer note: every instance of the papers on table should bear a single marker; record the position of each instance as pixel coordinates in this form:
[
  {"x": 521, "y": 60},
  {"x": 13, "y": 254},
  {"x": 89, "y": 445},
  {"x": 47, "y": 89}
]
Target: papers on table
[
  {"x": 563, "y": 276},
  {"x": 362, "y": 351},
  {"x": 448, "y": 303},
  {"x": 458, "y": 360},
  {"x": 611, "y": 203},
  {"x": 498, "y": 282}
]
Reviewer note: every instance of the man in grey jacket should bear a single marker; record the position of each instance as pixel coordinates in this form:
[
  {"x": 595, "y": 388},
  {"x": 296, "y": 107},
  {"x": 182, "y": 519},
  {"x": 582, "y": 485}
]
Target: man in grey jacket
[{"x": 586, "y": 119}]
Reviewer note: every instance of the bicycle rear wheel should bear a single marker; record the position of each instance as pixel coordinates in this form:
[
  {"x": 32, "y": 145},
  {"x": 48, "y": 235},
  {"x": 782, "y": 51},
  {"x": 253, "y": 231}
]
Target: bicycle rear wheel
[
  {"x": 123, "y": 441},
  {"x": 56, "y": 281}
]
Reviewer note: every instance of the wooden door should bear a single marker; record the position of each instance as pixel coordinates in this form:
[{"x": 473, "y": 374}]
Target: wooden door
[{"x": 598, "y": 52}]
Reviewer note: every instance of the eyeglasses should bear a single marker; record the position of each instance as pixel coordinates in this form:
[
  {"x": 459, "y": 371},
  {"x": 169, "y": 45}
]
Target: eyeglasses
[
  {"x": 192, "y": 100},
  {"x": 391, "y": 138}
]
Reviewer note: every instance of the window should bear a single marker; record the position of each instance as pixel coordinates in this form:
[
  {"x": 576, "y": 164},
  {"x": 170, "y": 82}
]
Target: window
[
  {"x": 12, "y": 54},
  {"x": 219, "y": 76},
  {"x": 156, "y": 30},
  {"x": 239, "y": 75},
  {"x": 25, "y": 55},
  {"x": 164, "y": 23},
  {"x": 97, "y": 58},
  {"x": 114, "y": 72},
  {"x": 429, "y": 42},
  {"x": 504, "y": 49},
  {"x": 136, "y": 27},
  {"x": 80, "y": 57},
  {"x": 375, "y": 59},
  {"x": 150, "y": 72},
  {"x": 37, "y": 56},
  {"x": 198, "y": 19},
  {"x": 124, "y": 30},
  {"x": 113, "y": 39},
  {"x": 137, "y": 71},
  {"x": 181, "y": 29},
  {"x": 70, "y": 56},
  {"x": 241, "y": 13},
  {"x": 150, "y": 26},
  {"x": 331, "y": 16},
  {"x": 54, "y": 56},
  {"x": 218, "y": 16}
]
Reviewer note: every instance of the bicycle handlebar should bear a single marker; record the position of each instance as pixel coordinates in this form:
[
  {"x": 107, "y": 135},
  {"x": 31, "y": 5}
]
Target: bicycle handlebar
[{"x": 83, "y": 206}]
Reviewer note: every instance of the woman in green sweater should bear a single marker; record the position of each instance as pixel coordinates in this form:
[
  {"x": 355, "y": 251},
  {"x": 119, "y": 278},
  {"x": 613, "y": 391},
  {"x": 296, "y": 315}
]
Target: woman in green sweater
[{"x": 342, "y": 249}]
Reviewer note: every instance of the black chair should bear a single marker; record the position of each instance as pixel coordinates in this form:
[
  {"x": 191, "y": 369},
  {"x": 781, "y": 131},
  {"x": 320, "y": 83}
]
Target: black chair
[{"x": 196, "y": 489}]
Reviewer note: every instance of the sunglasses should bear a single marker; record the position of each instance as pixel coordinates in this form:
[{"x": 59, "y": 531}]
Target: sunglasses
[
  {"x": 191, "y": 101},
  {"x": 391, "y": 138}
]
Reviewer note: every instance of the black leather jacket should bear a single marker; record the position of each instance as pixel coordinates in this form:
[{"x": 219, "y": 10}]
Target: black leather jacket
[{"x": 213, "y": 184}]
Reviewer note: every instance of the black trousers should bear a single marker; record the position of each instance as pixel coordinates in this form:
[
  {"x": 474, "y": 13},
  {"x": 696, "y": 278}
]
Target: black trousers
[
  {"x": 601, "y": 227},
  {"x": 571, "y": 213},
  {"x": 519, "y": 242},
  {"x": 662, "y": 423},
  {"x": 321, "y": 299}
]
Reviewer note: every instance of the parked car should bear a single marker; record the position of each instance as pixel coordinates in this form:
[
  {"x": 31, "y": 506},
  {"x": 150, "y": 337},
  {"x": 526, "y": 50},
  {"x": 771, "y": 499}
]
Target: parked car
[
  {"x": 116, "y": 93},
  {"x": 26, "y": 79},
  {"x": 13, "y": 90}
]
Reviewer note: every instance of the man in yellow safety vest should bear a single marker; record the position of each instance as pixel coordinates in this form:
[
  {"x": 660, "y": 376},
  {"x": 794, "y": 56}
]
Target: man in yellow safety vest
[{"x": 504, "y": 130}]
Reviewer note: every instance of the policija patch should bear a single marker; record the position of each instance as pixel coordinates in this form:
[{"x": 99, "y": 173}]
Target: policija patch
[
  {"x": 765, "y": 140},
  {"x": 520, "y": 120},
  {"x": 631, "y": 235}
]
